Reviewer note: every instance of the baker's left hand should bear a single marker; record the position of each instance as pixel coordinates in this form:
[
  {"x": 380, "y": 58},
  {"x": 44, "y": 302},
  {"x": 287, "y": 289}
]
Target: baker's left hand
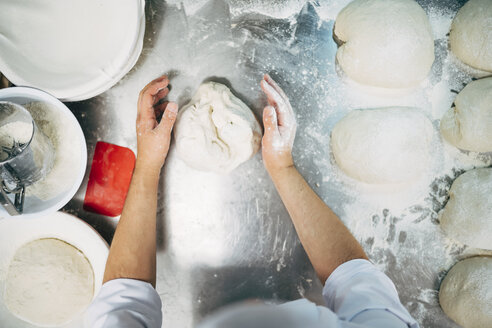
[
  {"x": 153, "y": 138},
  {"x": 280, "y": 128}
]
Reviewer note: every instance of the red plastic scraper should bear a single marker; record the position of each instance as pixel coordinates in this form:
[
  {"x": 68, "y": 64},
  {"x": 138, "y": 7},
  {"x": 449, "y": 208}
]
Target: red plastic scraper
[{"x": 109, "y": 180}]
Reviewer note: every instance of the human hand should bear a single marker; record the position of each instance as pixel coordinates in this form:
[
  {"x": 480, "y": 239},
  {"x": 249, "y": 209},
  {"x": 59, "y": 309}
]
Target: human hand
[
  {"x": 280, "y": 127},
  {"x": 153, "y": 138}
]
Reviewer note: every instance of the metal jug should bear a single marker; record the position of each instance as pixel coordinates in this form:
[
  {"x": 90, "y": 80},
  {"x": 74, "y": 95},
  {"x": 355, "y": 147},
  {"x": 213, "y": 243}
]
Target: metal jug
[{"x": 21, "y": 163}]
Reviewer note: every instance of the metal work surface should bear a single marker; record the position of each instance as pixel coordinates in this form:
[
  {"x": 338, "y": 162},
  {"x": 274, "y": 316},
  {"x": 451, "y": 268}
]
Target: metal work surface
[{"x": 228, "y": 238}]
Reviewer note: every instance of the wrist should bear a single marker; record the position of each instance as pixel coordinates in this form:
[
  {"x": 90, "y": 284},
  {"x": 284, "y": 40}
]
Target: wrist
[
  {"x": 278, "y": 162},
  {"x": 144, "y": 168},
  {"x": 279, "y": 171}
]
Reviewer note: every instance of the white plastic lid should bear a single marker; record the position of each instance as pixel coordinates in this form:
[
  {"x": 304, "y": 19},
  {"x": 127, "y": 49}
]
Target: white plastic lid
[{"x": 73, "y": 49}]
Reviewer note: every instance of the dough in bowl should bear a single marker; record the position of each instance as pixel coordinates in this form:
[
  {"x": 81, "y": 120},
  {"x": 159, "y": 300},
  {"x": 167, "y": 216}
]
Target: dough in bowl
[
  {"x": 466, "y": 292},
  {"x": 49, "y": 283},
  {"x": 467, "y": 217},
  {"x": 468, "y": 125},
  {"x": 384, "y": 43},
  {"x": 384, "y": 145},
  {"x": 216, "y": 131},
  {"x": 470, "y": 38}
]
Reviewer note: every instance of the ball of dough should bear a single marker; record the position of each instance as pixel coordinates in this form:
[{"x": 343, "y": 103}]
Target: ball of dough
[
  {"x": 470, "y": 38},
  {"x": 216, "y": 131},
  {"x": 468, "y": 125},
  {"x": 467, "y": 217},
  {"x": 49, "y": 282},
  {"x": 466, "y": 292},
  {"x": 385, "y": 43},
  {"x": 383, "y": 146}
]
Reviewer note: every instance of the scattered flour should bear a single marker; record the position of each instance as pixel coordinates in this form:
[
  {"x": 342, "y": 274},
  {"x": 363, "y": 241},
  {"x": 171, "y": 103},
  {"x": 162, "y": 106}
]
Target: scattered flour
[
  {"x": 399, "y": 229},
  {"x": 440, "y": 19},
  {"x": 63, "y": 136},
  {"x": 275, "y": 8}
]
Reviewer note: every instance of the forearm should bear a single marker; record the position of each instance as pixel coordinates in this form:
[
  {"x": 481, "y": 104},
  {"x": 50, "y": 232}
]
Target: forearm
[
  {"x": 325, "y": 238},
  {"x": 133, "y": 249}
]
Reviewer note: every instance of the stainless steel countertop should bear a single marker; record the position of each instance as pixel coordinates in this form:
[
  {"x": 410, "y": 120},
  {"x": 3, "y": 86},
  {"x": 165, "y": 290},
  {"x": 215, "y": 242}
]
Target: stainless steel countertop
[{"x": 223, "y": 239}]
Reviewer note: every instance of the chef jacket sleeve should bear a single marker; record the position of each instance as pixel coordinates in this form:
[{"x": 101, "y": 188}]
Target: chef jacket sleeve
[
  {"x": 125, "y": 303},
  {"x": 359, "y": 293}
]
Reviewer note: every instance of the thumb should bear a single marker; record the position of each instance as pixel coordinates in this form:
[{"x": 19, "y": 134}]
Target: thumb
[{"x": 168, "y": 119}]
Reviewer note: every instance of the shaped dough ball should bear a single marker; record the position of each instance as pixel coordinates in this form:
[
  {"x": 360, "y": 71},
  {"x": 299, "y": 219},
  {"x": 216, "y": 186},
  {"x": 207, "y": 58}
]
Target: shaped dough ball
[
  {"x": 468, "y": 125},
  {"x": 383, "y": 146},
  {"x": 470, "y": 38},
  {"x": 216, "y": 131},
  {"x": 466, "y": 293},
  {"x": 386, "y": 43},
  {"x": 467, "y": 217},
  {"x": 49, "y": 283}
]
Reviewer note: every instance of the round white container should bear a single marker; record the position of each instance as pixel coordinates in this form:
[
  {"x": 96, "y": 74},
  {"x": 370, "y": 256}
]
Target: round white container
[
  {"x": 70, "y": 48},
  {"x": 14, "y": 233},
  {"x": 33, "y": 206}
]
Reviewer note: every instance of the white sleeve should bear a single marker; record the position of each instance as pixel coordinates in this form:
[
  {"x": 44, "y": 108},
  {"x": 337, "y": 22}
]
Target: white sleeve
[
  {"x": 125, "y": 303},
  {"x": 361, "y": 294}
]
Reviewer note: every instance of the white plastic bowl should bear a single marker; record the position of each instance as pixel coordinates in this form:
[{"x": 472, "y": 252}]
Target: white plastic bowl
[
  {"x": 14, "y": 233},
  {"x": 35, "y": 207},
  {"x": 41, "y": 42}
]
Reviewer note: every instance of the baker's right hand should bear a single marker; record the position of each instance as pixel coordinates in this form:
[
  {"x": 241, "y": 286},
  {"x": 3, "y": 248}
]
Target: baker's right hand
[
  {"x": 153, "y": 138},
  {"x": 280, "y": 128}
]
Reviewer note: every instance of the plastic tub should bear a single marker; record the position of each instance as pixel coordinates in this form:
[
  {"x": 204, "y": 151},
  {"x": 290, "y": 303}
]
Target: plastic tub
[
  {"x": 54, "y": 49},
  {"x": 68, "y": 228}
]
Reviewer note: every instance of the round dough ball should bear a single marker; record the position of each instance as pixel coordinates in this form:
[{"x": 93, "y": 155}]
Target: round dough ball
[
  {"x": 468, "y": 125},
  {"x": 216, "y": 131},
  {"x": 49, "y": 282},
  {"x": 470, "y": 38},
  {"x": 383, "y": 146},
  {"x": 385, "y": 43},
  {"x": 466, "y": 293},
  {"x": 467, "y": 217}
]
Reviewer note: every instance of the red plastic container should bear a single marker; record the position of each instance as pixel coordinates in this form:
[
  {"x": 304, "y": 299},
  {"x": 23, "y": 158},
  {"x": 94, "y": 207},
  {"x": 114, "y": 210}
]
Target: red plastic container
[{"x": 109, "y": 180}]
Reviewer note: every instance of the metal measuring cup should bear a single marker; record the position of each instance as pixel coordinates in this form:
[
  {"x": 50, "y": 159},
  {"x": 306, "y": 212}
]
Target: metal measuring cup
[{"x": 22, "y": 164}]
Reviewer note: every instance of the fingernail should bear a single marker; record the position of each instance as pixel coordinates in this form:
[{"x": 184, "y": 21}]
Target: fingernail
[{"x": 172, "y": 107}]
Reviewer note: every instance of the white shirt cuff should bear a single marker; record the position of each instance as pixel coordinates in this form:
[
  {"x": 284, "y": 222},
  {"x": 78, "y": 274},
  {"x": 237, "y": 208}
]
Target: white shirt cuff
[
  {"x": 357, "y": 286},
  {"x": 125, "y": 303}
]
